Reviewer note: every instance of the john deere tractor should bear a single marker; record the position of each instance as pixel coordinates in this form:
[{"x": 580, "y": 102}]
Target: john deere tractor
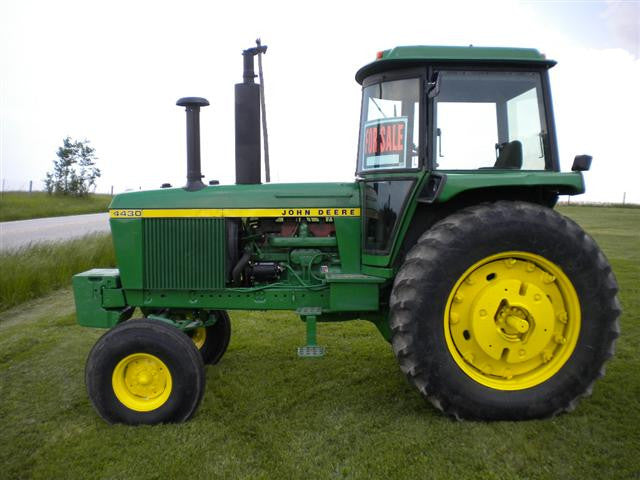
[{"x": 496, "y": 306}]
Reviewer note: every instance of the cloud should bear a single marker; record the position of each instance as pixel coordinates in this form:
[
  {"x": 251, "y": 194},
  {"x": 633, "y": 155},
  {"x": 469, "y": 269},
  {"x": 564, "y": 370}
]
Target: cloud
[
  {"x": 596, "y": 100},
  {"x": 623, "y": 21}
]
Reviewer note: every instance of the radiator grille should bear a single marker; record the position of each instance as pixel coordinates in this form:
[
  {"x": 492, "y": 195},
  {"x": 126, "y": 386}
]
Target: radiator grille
[{"x": 184, "y": 253}]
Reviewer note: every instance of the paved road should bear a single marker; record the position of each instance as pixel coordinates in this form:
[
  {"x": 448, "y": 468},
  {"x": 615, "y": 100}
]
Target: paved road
[{"x": 23, "y": 232}]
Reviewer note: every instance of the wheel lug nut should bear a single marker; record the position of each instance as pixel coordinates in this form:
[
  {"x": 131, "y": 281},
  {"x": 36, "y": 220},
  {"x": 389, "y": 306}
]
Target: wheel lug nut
[
  {"x": 562, "y": 317},
  {"x": 454, "y": 318},
  {"x": 546, "y": 356},
  {"x": 548, "y": 278},
  {"x": 522, "y": 352},
  {"x": 510, "y": 262},
  {"x": 483, "y": 313},
  {"x": 530, "y": 267},
  {"x": 458, "y": 298},
  {"x": 559, "y": 339}
]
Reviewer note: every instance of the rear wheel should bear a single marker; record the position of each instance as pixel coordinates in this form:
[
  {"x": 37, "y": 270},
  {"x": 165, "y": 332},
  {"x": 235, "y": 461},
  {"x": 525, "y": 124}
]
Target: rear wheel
[
  {"x": 213, "y": 341},
  {"x": 145, "y": 372},
  {"x": 504, "y": 311}
]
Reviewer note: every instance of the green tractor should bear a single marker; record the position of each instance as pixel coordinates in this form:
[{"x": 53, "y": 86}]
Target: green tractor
[{"x": 496, "y": 306}]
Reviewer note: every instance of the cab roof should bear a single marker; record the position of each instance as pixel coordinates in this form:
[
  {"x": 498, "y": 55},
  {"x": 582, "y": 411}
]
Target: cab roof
[{"x": 416, "y": 55}]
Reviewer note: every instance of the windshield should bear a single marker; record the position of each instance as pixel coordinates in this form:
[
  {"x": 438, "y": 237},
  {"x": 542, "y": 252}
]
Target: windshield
[
  {"x": 389, "y": 126},
  {"x": 490, "y": 120}
]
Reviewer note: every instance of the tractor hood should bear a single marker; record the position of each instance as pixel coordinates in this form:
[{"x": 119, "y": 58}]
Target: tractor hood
[{"x": 278, "y": 195}]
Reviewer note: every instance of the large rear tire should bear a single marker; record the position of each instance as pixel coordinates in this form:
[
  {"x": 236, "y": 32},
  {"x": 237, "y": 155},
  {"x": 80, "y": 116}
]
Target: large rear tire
[
  {"x": 504, "y": 311},
  {"x": 145, "y": 372}
]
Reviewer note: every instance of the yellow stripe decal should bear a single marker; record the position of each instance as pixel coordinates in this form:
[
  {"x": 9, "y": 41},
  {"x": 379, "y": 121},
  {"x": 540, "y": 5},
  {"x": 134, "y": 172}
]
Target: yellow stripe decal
[{"x": 233, "y": 212}]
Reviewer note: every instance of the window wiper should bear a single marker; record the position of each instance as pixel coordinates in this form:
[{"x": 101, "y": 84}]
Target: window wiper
[{"x": 378, "y": 106}]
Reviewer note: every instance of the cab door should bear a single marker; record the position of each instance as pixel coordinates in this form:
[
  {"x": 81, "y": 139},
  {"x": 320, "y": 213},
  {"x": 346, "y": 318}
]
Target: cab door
[{"x": 391, "y": 157}]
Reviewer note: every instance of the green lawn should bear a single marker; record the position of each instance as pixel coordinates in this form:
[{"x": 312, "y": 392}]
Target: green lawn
[
  {"x": 34, "y": 271},
  {"x": 267, "y": 414},
  {"x": 24, "y": 205}
]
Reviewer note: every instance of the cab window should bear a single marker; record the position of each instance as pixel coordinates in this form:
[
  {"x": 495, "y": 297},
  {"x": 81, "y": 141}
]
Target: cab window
[
  {"x": 384, "y": 202},
  {"x": 389, "y": 126},
  {"x": 490, "y": 120}
]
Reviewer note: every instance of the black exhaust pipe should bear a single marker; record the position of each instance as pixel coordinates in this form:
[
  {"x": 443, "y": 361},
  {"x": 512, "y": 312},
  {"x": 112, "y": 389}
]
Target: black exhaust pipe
[
  {"x": 194, "y": 174},
  {"x": 248, "y": 157}
]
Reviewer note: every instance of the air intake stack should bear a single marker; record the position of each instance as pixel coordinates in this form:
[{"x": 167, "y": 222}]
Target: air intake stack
[
  {"x": 248, "y": 157},
  {"x": 194, "y": 174}
]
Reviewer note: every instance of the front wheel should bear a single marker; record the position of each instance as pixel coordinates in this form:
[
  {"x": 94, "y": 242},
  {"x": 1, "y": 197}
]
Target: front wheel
[
  {"x": 145, "y": 372},
  {"x": 504, "y": 311}
]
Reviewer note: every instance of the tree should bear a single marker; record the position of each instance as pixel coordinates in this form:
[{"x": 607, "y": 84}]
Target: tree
[{"x": 74, "y": 171}]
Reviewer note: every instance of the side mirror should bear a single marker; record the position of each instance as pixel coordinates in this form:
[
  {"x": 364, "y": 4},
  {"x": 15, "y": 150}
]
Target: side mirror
[{"x": 581, "y": 163}]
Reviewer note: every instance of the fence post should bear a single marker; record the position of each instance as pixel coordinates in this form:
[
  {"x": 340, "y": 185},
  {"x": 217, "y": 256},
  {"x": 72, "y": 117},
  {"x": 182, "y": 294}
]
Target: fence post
[
  {"x": 624, "y": 198},
  {"x": 30, "y": 186},
  {"x": 112, "y": 190}
]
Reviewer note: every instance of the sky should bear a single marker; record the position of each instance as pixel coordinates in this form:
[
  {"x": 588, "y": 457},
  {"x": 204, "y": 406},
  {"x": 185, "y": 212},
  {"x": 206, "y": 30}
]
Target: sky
[{"x": 111, "y": 72}]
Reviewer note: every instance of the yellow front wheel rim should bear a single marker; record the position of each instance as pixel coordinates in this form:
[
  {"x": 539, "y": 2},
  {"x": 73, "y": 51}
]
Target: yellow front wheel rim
[
  {"x": 142, "y": 382},
  {"x": 512, "y": 320}
]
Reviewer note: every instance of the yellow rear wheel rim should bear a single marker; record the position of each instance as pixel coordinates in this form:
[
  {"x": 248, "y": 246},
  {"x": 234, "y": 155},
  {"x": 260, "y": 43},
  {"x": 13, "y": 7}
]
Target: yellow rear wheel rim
[
  {"x": 512, "y": 320},
  {"x": 199, "y": 336},
  {"x": 142, "y": 382}
]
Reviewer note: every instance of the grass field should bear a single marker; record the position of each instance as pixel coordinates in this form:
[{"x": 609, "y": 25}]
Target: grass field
[
  {"x": 24, "y": 205},
  {"x": 33, "y": 271},
  {"x": 268, "y": 415}
]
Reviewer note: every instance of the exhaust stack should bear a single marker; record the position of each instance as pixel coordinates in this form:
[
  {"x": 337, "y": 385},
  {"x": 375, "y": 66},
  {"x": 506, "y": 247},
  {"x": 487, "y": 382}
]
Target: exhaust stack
[
  {"x": 194, "y": 174},
  {"x": 248, "y": 156}
]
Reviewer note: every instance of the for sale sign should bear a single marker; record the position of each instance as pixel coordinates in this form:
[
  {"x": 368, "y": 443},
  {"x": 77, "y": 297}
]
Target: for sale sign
[{"x": 384, "y": 143}]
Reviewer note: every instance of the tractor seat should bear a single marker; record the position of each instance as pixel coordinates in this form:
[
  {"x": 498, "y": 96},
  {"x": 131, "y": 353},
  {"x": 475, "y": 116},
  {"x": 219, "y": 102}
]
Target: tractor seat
[{"x": 509, "y": 155}]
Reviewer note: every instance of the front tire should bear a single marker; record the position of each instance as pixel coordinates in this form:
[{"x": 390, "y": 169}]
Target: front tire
[
  {"x": 145, "y": 372},
  {"x": 504, "y": 311}
]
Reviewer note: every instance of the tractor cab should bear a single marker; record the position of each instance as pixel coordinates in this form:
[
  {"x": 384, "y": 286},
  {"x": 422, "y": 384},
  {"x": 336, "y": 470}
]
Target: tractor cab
[
  {"x": 474, "y": 115},
  {"x": 435, "y": 118}
]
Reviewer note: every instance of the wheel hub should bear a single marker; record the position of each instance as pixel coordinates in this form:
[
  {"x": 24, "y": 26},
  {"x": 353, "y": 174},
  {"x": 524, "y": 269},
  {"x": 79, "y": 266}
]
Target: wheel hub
[
  {"x": 514, "y": 322},
  {"x": 508, "y": 319},
  {"x": 142, "y": 382}
]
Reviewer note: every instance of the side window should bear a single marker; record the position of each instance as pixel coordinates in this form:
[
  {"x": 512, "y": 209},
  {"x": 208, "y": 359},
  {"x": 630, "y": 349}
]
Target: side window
[
  {"x": 467, "y": 134},
  {"x": 489, "y": 120},
  {"x": 524, "y": 126}
]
